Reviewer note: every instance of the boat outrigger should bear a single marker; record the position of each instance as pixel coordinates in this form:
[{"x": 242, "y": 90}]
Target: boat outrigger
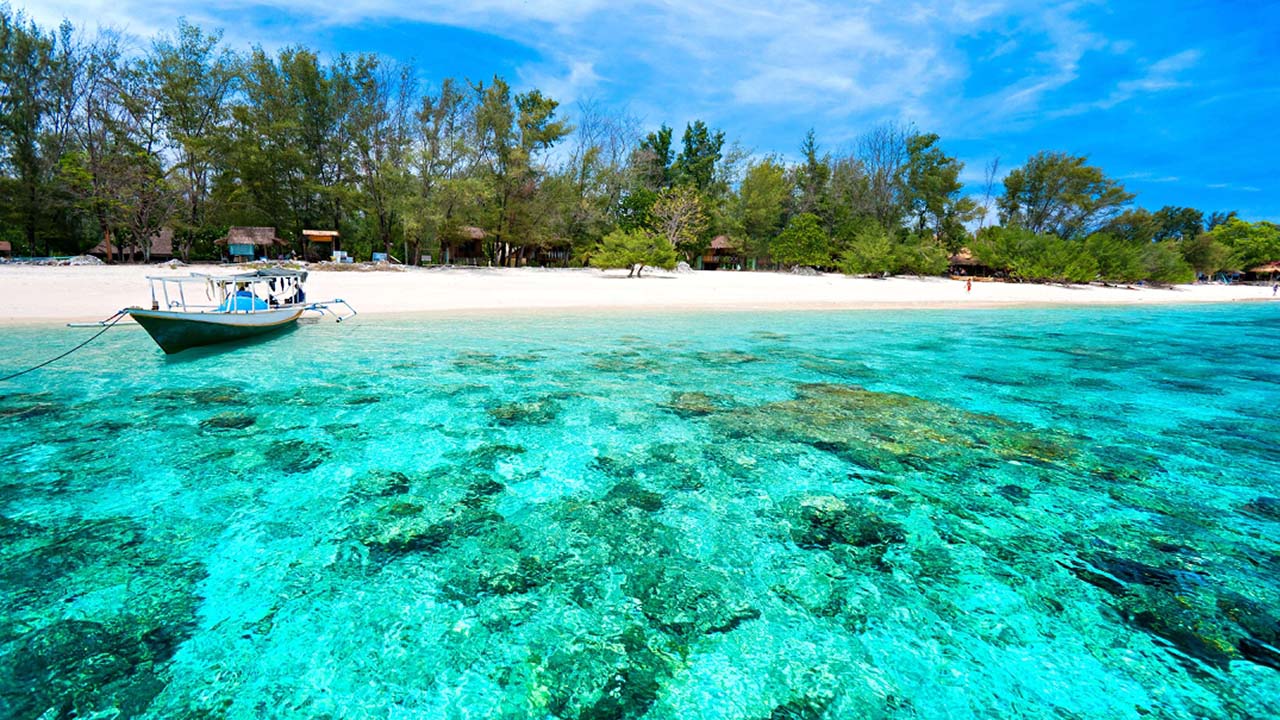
[{"x": 236, "y": 307}]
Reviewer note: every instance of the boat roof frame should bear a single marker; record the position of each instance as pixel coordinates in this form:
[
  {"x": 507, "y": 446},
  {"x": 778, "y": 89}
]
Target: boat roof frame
[{"x": 257, "y": 276}]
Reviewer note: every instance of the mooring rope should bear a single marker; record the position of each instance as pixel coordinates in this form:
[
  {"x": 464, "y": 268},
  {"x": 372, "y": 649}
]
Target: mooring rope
[{"x": 109, "y": 323}]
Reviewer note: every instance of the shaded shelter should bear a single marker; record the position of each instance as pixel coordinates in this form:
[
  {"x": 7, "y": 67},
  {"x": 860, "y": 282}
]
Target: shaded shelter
[
  {"x": 964, "y": 264},
  {"x": 248, "y": 243},
  {"x": 1266, "y": 271},
  {"x": 722, "y": 254},
  {"x": 319, "y": 244},
  {"x": 6, "y": 249},
  {"x": 161, "y": 249},
  {"x": 464, "y": 246}
]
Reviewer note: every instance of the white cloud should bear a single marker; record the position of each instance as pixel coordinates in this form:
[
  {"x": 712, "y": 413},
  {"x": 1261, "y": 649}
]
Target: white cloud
[
  {"x": 810, "y": 59},
  {"x": 1158, "y": 76}
]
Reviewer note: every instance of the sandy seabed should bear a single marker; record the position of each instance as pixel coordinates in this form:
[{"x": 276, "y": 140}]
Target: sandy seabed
[{"x": 37, "y": 294}]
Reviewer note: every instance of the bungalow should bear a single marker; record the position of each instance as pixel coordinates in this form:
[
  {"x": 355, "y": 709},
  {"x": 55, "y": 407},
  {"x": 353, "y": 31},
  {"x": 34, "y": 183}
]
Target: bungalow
[
  {"x": 964, "y": 264},
  {"x": 1265, "y": 272},
  {"x": 6, "y": 249},
  {"x": 319, "y": 244},
  {"x": 723, "y": 254},
  {"x": 464, "y": 247},
  {"x": 248, "y": 243},
  {"x": 161, "y": 249}
]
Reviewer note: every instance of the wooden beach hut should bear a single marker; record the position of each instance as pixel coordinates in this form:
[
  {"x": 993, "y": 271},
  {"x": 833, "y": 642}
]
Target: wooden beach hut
[
  {"x": 465, "y": 246},
  {"x": 161, "y": 249},
  {"x": 722, "y": 254},
  {"x": 1265, "y": 271},
  {"x": 6, "y": 249},
  {"x": 249, "y": 243},
  {"x": 319, "y": 244},
  {"x": 964, "y": 264}
]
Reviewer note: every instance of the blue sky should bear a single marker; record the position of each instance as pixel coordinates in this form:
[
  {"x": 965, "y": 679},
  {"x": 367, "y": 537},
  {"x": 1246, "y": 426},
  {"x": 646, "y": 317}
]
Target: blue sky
[{"x": 1179, "y": 100}]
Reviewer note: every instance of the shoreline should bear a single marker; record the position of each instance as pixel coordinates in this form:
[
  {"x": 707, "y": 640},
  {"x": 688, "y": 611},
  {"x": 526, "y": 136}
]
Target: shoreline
[{"x": 42, "y": 295}]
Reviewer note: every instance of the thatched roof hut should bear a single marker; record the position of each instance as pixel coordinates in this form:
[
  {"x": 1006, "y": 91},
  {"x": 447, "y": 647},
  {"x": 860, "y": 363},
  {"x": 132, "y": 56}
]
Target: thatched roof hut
[
  {"x": 723, "y": 242},
  {"x": 161, "y": 246},
  {"x": 260, "y": 236},
  {"x": 6, "y": 248},
  {"x": 1266, "y": 268},
  {"x": 964, "y": 257}
]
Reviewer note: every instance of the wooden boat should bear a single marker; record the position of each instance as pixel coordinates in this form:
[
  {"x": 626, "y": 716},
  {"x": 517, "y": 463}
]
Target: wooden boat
[{"x": 237, "y": 307}]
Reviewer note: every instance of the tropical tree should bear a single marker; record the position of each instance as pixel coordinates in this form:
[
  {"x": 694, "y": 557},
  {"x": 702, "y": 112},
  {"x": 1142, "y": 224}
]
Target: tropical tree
[
  {"x": 869, "y": 251},
  {"x": 1118, "y": 259},
  {"x": 803, "y": 242},
  {"x": 1061, "y": 194},
  {"x": 1162, "y": 263},
  {"x": 441, "y": 188},
  {"x": 762, "y": 204},
  {"x": 651, "y": 161},
  {"x": 931, "y": 187},
  {"x": 680, "y": 217},
  {"x": 812, "y": 178},
  {"x": 510, "y": 136},
  {"x": 633, "y": 249},
  {"x": 193, "y": 80},
  {"x": 1249, "y": 244},
  {"x": 379, "y": 126},
  {"x": 696, "y": 163},
  {"x": 40, "y": 83}
]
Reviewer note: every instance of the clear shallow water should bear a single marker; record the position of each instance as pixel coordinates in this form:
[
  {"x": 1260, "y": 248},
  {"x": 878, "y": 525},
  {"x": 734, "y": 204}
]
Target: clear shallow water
[{"x": 1013, "y": 513}]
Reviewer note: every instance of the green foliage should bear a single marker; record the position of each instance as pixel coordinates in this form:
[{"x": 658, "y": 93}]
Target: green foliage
[
  {"x": 38, "y": 93},
  {"x": 633, "y": 249},
  {"x": 1059, "y": 193},
  {"x": 1178, "y": 223},
  {"x": 1053, "y": 259},
  {"x": 652, "y": 160},
  {"x": 679, "y": 215},
  {"x": 1249, "y": 244},
  {"x": 1038, "y": 258},
  {"x": 803, "y": 242},
  {"x": 1136, "y": 226},
  {"x": 635, "y": 209},
  {"x": 812, "y": 179},
  {"x": 762, "y": 199},
  {"x": 920, "y": 255},
  {"x": 931, "y": 183},
  {"x": 1118, "y": 260},
  {"x": 1204, "y": 253},
  {"x": 869, "y": 251},
  {"x": 1162, "y": 263},
  {"x": 696, "y": 163}
]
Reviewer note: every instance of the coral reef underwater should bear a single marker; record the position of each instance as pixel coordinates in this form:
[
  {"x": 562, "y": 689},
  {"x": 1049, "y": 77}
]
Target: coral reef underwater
[{"x": 1017, "y": 513}]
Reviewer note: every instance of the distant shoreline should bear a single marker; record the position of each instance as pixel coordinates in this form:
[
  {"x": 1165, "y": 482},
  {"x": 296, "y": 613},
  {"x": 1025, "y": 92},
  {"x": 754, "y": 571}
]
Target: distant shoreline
[{"x": 36, "y": 295}]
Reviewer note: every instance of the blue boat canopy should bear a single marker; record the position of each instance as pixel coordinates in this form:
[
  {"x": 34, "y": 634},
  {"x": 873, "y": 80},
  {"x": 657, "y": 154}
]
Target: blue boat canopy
[{"x": 242, "y": 301}]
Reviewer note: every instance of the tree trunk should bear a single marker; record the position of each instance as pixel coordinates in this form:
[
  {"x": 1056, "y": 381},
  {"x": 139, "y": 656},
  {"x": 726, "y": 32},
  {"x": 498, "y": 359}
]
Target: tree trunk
[{"x": 31, "y": 222}]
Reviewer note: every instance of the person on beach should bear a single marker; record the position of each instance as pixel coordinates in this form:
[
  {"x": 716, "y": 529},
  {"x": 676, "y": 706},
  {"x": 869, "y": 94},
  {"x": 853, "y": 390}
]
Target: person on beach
[{"x": 968, "y": 285}]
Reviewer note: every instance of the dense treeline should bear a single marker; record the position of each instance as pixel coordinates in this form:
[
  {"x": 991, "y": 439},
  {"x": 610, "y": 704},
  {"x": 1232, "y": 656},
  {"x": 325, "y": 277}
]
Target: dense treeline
[{"x": 97, "y": 142}]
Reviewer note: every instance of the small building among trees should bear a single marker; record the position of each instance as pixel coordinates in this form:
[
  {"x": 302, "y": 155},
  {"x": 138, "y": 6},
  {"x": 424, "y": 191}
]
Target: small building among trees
[
  {"x": 722, "y": 254},
  {"x": 161, "y": 248},
  {"x": 964, "y": 264},
  {"x": 319, "y": 244},
  {"x": 249, "y": 243},
  {"x": 6, "y": 249},
  {"x": 465, "y": 246}
]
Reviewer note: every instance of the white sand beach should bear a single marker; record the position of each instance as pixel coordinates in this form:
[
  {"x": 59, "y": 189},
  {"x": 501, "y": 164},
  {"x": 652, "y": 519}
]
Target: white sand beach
[{"x": 38, "y": 294}]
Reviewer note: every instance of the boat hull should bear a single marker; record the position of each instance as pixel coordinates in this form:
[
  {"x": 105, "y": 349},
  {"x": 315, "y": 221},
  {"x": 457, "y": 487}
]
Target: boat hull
[{"x": 178, "y": 331}]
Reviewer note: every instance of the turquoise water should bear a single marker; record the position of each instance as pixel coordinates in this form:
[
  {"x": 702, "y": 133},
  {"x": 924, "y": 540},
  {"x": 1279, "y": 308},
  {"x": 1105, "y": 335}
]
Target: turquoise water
[{"x": 1013, "y": 513}]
